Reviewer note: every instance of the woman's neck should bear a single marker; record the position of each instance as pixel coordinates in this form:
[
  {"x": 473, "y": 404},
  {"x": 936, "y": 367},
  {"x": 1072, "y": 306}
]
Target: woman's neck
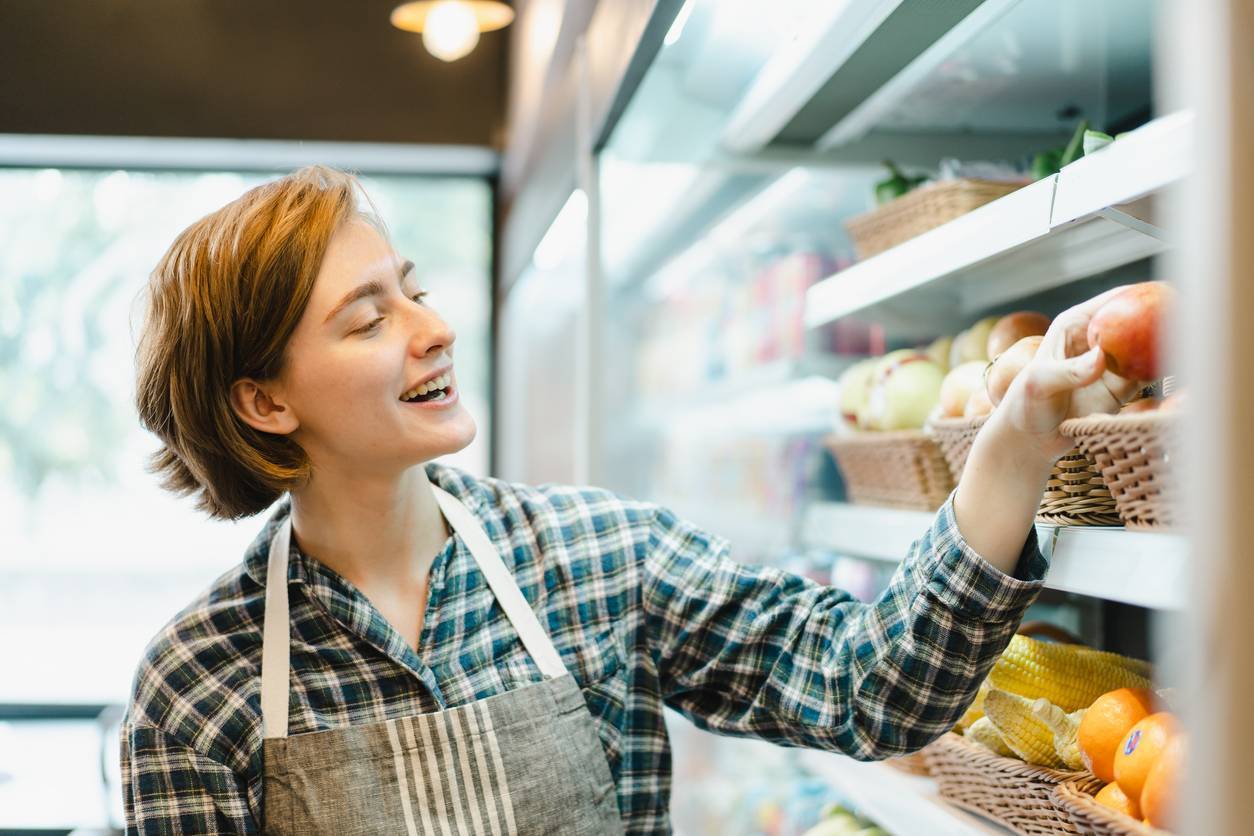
[{"x": 378, "y": 532}]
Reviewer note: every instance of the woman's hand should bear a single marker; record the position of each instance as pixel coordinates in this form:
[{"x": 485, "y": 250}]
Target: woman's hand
[
  {"x": 1012, "y": 456},
  {"x": 1064, "y": 380}
]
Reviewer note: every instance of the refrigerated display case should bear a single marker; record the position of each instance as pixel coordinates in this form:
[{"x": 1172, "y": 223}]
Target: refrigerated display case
[{"x": 734, "y": 298}]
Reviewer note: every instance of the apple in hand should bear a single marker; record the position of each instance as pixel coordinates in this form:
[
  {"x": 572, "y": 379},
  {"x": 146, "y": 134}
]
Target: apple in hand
[
  {"x": 1007, "y": 366},
  {"x": 1013, "y": 327},
  {"x": 1129, "y": 328}
]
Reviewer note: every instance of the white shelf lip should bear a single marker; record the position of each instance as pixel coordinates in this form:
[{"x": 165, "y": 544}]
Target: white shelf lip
[
  {"x": 864, "y": 117},
  {"x": 792, "y": 76},
  {"x": 896, "y": 801},
  {"x": 1033, "y": 236},
  {"x": 1149, "y": 569}
]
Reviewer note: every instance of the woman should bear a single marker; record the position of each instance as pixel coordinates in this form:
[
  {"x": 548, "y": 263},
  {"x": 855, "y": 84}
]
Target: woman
[{"x": 449, "y": 654}]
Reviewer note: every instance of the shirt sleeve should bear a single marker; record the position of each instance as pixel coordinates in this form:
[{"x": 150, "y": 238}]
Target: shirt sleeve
[
  {"x": 168, "y": 788},
  {"x": 757, "y": 651}
]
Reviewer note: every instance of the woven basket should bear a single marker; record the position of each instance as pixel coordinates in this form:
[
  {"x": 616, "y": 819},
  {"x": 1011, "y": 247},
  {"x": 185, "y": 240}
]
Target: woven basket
[
  {"x": 915, "y": 212},
  {"x": 955, "y": 436},
  {"x": 1075, "y": 494},
  {"x": 902, "y": 469},
  {"x": 1133, "y": 455},
  {"x": 1016, "y": 794},
  {"x": 1090, "y": 817}
]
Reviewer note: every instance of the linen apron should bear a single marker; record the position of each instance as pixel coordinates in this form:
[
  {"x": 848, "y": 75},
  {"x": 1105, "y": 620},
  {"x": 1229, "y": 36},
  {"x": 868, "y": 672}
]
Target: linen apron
[{"x": 525, "y": 761}]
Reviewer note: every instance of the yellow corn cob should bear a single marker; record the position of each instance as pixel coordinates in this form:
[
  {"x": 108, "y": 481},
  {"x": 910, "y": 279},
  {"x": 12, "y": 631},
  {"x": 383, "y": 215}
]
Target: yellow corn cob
[
  {"x": 975, "y": 710},
  {"x": 1137, "y": 666},
  {"x": 1022, "y": 730},
  {"x": 1065, "y": 728},
  {"x": 1069, "y": 676},
  {"x": 983, "y": 731}
]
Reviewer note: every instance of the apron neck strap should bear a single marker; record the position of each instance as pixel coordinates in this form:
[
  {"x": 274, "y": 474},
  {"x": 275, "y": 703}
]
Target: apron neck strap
[{"x": 276, "y": 636}]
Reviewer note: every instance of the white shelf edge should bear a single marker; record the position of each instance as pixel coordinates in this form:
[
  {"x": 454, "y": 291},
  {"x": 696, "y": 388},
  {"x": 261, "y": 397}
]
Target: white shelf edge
[
  {"x": 897, "y": 802},
  {"x": 1148, "y": 569},
  {"x": 863, "y": 118},
  {"x": 792, "y": 76},
  {"x": 1049, "y": 233},
  {"x": 994, "y": 229}
]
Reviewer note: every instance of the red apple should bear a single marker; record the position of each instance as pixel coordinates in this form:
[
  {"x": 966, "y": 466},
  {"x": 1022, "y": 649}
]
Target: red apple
[
  {"x": 1008, "y": 365},
  {"x": 1129, "y": 328},
  {"x": 1014, "y": 327}
]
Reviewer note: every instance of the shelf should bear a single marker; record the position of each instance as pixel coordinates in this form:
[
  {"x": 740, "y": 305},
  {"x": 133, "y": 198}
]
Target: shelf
[
  {"x": 1098, "y": 214},
  {"x": 1148, "y": 569},
  {"x": 896, "y": 801},
  {"x": 787, "y": 396}
]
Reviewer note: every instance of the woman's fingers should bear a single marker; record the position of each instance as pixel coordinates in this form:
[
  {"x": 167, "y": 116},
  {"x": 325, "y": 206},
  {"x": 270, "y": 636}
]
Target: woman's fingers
[
  {"x": 1052, "y": 377},
  {"x": 1067, "y": 335}
]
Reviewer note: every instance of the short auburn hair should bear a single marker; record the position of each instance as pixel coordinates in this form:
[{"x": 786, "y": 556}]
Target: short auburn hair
[{"x": 221, "y": 305}]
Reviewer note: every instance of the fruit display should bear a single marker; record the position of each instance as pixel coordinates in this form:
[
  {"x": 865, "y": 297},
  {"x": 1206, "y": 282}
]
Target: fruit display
[
  {"x": 1007, "y": 366},
  {"x": 1075, "y": 709},
  {"x": 1012, "y": 328},
  {"x": 1129, "y": 329},
  {"x": 893, "y": 392}
]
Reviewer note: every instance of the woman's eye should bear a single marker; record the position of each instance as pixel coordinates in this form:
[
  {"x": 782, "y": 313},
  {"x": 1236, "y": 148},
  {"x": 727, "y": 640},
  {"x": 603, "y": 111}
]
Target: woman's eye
[
  {"x": 370, "y": 326},
  {"x": 420, "y": 295}
]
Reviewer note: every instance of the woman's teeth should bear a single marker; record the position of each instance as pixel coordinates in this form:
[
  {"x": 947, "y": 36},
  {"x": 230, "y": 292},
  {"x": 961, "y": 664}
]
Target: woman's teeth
[{"x": 430, "y": 387}]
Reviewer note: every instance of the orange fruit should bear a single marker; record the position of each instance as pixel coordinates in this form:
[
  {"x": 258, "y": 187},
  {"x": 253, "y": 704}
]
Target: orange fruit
[
  {"x": 1116, "y": 799},
  {"x": 1106, "y": 723},
  {"x": 1162, "y": 785},
  {"x": 1142, "y": 746}
]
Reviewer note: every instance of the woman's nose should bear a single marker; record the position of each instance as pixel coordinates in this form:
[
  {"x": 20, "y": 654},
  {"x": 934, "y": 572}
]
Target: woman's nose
[{"x": 430, "y": 332}]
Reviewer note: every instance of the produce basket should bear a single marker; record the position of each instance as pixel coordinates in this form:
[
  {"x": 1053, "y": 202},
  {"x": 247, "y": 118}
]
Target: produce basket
[
  {"x": 915, "y": 212},
  {"x": 1133, "y": 455},
  {"x": 1016, "y": 794},
  {"x": 955, "y": 435},
  {"x": 1075, "y": 494},
  {"x": 901, "y": 469},
  {"x": 1090, "y": 817}
]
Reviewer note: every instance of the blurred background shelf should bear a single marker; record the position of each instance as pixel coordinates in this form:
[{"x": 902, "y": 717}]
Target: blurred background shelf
[
  {"x": 1149, "y": 569},
  {"x": 898, "y": 802},
  {"x": 1097, "y": 214}
]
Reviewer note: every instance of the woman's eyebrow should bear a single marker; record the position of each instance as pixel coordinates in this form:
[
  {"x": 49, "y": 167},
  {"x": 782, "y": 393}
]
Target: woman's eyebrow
[{"x": 374, "y": 287}]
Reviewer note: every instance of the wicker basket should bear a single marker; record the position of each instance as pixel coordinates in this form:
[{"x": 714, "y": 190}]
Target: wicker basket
[
  {"x": 955, "y": 436},
  {"x": 1133, "y": 455},
  {"x": 1075, "y": 494},
  {"x": 902, "y": 469},
  {"x": 1090, "y": 817},
  {"x": 915, "y": 212},
  {"x": 1016, "y": 794}
]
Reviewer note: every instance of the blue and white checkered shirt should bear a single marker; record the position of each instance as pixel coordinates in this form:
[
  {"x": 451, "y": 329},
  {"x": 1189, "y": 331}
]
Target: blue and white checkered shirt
[{"x": 647, "y": 611}]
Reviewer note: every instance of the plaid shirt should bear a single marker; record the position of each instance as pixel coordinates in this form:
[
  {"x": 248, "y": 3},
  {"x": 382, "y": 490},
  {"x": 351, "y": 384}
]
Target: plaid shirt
[{"x": 646, "y": 610}]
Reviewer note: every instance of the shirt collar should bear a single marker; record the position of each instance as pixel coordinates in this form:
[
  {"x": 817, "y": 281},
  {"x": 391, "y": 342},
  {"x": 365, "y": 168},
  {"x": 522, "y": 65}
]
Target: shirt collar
[{"x": 457, "y": 482}]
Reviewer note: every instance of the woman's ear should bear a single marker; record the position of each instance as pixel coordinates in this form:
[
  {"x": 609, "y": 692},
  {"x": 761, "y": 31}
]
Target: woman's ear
[{"x": 262, "y": 410}]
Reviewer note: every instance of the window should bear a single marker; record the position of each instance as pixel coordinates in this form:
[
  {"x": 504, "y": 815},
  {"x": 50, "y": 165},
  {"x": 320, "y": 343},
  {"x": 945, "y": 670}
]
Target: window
[{"x": 94, "y": 556}]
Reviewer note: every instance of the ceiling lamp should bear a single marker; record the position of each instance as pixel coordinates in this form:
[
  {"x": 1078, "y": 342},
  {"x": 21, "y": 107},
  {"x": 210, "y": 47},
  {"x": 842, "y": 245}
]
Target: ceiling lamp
[{"x": 450, "y": 28}]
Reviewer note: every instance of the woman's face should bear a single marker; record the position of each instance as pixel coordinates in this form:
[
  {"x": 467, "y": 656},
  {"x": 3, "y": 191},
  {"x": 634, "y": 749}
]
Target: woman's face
[{"x": 355, "y": 354}]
